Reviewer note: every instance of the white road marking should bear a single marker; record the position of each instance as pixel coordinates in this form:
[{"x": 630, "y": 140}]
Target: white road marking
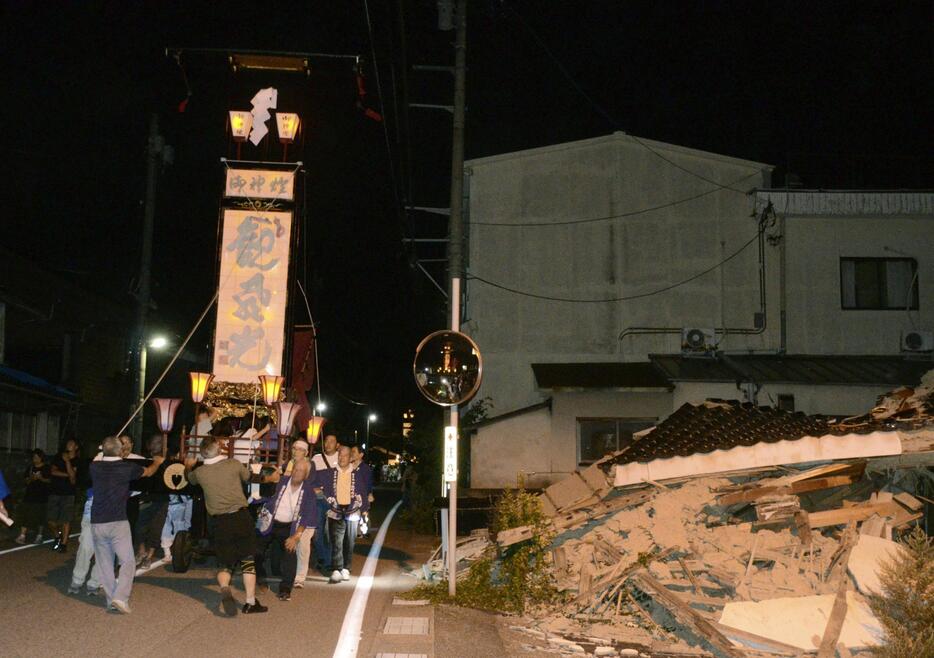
[
  {"x": 353, "y": 619},
  {"x": 25, "y": 546},
  {"x": 157, "y": 563}
]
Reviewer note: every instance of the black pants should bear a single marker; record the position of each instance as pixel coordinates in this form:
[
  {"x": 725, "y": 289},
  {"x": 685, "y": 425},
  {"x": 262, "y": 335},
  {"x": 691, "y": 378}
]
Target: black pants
[
  {"x": 343, "y": 534},
  {"x": 151, "y": 521},
  {"x": 282, "y": 561}
]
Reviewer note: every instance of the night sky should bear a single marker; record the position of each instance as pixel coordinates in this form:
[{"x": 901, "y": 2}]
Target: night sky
[{"x": 835, "y": 92}]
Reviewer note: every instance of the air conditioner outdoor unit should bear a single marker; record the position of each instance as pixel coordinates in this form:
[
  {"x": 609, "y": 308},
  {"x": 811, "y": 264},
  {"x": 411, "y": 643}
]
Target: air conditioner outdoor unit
[
  {"x": 917, "y": 341},
  {"x": 694, "y": 340}
]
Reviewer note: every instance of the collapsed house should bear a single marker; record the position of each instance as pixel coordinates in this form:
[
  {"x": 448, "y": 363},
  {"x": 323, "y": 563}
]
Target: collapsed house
[{"x": 734, "y": 530}]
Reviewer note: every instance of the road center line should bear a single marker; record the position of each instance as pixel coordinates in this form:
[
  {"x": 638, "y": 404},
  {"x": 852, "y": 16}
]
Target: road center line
[{"x": 352, "y": 627}]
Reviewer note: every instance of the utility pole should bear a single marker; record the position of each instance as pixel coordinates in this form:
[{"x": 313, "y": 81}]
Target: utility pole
[
  {"x": 456, "y": 248},
  {"x": 154, "y": 149}
]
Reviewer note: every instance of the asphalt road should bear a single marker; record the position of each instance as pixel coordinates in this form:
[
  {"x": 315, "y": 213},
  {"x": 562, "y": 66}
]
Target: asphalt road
[{"x": 176, "y": 614}]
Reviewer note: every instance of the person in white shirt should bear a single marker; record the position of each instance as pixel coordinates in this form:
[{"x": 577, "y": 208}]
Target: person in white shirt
[
  {"x": 293, "y": 512},
  {"x": 303, "y": 554},
  {"x": 324, "y": 461}
]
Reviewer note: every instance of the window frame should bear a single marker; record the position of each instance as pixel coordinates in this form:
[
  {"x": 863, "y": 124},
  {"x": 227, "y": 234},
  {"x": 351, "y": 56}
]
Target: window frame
[
  {"x": 915, "y": 300},
  {"x": 649, "y": 420}
]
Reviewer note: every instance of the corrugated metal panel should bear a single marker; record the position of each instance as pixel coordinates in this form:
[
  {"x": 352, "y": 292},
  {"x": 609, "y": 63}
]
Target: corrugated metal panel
[{"x": 848, "y": 203}]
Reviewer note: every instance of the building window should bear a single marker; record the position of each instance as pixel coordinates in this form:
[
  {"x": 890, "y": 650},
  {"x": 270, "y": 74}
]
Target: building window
[
  {"x": 786, "y": 402},
  {"x": 599, "y": 437},
  {"x": 879, "y": 283}
]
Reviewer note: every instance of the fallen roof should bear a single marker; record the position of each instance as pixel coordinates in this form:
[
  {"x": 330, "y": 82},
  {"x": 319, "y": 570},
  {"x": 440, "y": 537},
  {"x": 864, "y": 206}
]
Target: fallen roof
[
  {"x": 719, "y": 436},
  {"x": 794, "y": 369},
  {"x": 599, "y": 375}
]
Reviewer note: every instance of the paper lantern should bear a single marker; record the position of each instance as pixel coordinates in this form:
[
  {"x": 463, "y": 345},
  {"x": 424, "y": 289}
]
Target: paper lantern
[
  {"x": 200, "y": 382},
  {"x": 314, "y": 428},
  {"x": 272, "y": 386},
  {"x": 287, "y": 411},
  {"x": 165, "y": 412}
]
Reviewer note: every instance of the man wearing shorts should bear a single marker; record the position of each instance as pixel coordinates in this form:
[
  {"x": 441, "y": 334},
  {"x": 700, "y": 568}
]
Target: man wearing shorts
[{"x": 222, "y": 481}]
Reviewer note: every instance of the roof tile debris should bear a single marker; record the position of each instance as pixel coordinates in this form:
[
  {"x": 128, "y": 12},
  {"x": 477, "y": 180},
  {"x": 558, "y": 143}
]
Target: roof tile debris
[
  {"x": 670, "y": 568},
  {"x": 720, "y": 425}
]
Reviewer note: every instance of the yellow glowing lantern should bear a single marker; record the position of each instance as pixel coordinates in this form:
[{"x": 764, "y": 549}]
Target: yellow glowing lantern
[
  {"x": 200, "y": 382},
  {"x": 314, "y": 428},
  {"x": 287, "y": 123},
  {"x": 271, "y": 386},
  {"x": 240, "y": 124}
]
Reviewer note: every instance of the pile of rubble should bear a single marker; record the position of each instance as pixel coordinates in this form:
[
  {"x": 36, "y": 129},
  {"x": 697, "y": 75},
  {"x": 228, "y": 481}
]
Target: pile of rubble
[{"x": 772, "y": 560}]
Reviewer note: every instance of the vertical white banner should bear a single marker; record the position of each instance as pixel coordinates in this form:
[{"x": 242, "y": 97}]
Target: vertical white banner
[
  {"x": 250, "y": 333},
  {"x": 450, "y": 454}
]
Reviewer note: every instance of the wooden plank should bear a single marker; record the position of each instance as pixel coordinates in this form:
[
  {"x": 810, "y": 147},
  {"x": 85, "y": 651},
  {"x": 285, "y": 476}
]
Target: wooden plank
[
  {"x": 687, "y": 572},
  {"x": 767, "y": 644},
  {"x": 834, "y": 625},
  {"x": 685, "y": 614},
  {"x": 823, "y": 470},
  {"x": 512, "y": 536},
  {"x": 847, "y": 514},
  {"x": 909, "y": 501},
  {"x": 804, "y": 486}
]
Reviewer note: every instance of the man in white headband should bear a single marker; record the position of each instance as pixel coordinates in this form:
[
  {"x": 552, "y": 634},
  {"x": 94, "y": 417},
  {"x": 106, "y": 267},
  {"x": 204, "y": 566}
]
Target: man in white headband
[{"x": 303, "y": 554}]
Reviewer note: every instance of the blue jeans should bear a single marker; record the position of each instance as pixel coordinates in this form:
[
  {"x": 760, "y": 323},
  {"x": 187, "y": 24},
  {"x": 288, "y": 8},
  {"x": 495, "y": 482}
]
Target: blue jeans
[
  {"x": 322, "y": 543},
  {"x": 114, "y": 539}
]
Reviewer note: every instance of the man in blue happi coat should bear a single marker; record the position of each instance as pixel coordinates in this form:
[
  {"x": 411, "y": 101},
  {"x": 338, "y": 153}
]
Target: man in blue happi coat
[
  {"x": 288, "y": 513},
  {"x": 347, "y": 495}
]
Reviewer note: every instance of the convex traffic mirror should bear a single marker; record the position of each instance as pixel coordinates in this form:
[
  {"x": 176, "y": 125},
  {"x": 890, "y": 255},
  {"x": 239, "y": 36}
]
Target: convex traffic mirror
[{"x": 448, "y": 368}]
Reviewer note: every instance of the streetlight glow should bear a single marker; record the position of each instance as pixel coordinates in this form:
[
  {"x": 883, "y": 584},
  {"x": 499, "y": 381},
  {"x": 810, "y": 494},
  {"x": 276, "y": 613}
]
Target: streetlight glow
[
  {"x": 321, "y": 406},
  {"x": 372, "y": 418},
  {"x": 158, "y": 342}
]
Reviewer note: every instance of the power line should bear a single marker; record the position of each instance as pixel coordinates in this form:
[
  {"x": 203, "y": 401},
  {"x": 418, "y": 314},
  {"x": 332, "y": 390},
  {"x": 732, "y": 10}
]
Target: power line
[
  {"x": 606, "y": 115},
  {"x": 382, "y": 109},
  {"x": 630, "y": 213},
  {"x": 627, "y": 298}
]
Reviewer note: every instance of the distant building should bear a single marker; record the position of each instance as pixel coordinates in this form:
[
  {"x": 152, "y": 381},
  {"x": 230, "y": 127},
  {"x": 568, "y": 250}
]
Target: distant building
[{"x": 817, "y": 301}]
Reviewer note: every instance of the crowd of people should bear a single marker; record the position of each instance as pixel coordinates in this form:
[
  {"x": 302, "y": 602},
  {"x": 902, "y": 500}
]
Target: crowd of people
[{"x": 319, "y": 505}]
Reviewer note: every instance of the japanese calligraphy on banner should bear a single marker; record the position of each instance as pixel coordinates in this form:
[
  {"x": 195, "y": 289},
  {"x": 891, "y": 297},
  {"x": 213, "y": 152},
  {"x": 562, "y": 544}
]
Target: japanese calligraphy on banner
[
  {"x": 260, "y": 184},
  {"x": 250, "y": 332}
]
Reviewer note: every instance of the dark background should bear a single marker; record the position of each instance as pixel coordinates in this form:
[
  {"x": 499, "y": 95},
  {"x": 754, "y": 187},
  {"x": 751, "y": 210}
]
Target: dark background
[{"x": 837, "y": 93}]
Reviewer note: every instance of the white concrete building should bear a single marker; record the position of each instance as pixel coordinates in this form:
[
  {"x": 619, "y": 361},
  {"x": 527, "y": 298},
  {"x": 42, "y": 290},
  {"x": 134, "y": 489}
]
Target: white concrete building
[{"x": 674, "y": 235}]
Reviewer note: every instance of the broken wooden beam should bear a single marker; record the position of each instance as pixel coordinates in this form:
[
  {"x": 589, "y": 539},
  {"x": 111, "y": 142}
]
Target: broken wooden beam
[{"x": 685, "y": 614}]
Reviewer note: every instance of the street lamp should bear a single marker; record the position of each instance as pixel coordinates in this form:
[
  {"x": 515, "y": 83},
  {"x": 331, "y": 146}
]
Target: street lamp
[
  {"x": 156, "y": 343},
  {"x": 321, "y": 406},
  {"x": 369, "y": 419}
]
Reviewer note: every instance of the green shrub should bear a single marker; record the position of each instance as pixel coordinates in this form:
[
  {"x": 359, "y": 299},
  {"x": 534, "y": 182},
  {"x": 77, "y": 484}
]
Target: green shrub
[
  {"x": 513, "y": 580},
  {"x": 906, "y": 606}
]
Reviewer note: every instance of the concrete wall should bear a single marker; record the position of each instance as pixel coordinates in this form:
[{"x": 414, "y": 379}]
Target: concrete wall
[
  {"x": 568, "y": 407},
  {"x": 816, "y": 322},
  {"x": 500, "y": 450},
  {"x": 606, "y": 259},
  {"x": 832, "y": 400}
]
